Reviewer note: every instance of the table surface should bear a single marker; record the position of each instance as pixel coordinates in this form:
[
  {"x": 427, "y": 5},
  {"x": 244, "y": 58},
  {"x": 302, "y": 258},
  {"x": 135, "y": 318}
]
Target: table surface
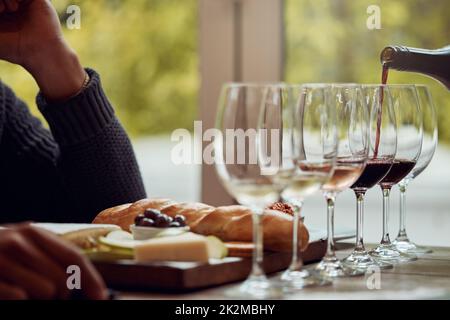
[{"x": 426, "y": 278}]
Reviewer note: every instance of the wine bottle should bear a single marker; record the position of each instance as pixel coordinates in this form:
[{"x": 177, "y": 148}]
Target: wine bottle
[{"x": 434, "y": 63}]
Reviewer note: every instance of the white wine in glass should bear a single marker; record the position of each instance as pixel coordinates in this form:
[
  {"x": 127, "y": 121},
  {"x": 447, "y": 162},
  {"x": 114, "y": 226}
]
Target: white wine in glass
[{"x": 237, "y": 165}]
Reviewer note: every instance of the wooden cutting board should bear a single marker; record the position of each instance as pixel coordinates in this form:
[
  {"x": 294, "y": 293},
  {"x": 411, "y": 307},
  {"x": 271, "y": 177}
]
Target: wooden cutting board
[{"x": 189, "y": 276}]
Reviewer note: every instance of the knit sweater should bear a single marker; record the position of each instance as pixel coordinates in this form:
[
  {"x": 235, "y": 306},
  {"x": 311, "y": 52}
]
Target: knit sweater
[{"x": 84, "y": 164}]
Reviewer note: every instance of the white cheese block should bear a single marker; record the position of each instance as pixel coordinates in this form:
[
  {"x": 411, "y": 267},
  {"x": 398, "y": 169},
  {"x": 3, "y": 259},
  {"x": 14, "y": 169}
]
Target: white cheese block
[{"x": 185, "y": 247}]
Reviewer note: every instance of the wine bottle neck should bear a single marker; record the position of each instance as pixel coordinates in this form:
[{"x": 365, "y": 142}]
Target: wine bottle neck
[{"x": 435, "y": 63}]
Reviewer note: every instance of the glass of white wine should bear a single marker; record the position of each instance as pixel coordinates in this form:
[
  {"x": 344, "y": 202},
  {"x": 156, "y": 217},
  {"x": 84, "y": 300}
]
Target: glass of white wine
[
  {"x": 237, "y": 165},
  {"x": 306, "y": 155}
]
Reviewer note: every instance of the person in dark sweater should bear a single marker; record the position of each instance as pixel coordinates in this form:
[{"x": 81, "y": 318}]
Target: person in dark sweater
[{"x": 82, "y": 165}]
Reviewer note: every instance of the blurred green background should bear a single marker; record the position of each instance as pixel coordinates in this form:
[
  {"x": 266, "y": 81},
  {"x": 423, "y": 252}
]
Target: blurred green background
[
  {"x": 147, "y": 52},
  {"x": 328, "y": 41}
]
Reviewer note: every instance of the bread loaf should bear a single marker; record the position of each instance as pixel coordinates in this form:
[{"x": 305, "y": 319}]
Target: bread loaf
[{"x": 229, "y": 223}]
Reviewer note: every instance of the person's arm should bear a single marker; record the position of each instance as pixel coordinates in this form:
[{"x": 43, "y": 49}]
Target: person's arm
[
  {"x": 86, "y": 163},
  {"x": 94, "y": 159}
]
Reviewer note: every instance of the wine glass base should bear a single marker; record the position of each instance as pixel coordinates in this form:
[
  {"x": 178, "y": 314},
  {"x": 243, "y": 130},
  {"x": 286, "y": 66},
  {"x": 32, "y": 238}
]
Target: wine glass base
[
  {"x": 294, "y": 280},
  {"x": 334, "y": 268},
  {"x": 389, "y": 253},
  {"x": 407, "y": 246},
  {"x": 361, "y": 260},
  {"x": 255, "y": 287}
]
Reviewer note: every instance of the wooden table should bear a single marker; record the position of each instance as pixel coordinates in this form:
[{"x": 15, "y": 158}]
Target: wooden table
[{"x": 426, "y": 278}]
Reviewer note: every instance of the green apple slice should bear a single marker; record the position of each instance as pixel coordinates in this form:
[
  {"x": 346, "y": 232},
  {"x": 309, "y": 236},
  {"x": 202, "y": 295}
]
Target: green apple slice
[
  {"x": 119, "y": 243},
  {"x": 119, "y": 235},
  {"x": 216, "y": 248}
]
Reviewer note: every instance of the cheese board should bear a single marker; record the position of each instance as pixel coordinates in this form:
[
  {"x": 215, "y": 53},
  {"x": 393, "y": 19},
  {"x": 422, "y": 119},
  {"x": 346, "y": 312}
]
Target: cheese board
[{"x": 190, "y": 276}]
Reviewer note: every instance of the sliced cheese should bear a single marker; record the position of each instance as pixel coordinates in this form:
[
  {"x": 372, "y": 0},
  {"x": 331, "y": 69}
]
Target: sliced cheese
[{"x": 184, "y": 247}]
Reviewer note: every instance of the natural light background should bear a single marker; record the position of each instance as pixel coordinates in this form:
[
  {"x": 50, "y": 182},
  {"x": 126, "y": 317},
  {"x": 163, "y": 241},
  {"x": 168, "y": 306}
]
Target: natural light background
[
  {"x": 328, "y": 41},
  {"x": 147, "y": 54}
]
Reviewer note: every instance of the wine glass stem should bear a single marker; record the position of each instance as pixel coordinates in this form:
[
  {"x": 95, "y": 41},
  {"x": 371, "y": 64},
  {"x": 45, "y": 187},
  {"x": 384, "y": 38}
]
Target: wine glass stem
[
  {"x": 297, "y": 262},
  {"x": 386, "y": 194},
  {"x": 258, "y": 254},
  {"x": 402, "y": 230},
  {"x": 331, "y": 198},
  {"x": 359, "y": 221}
]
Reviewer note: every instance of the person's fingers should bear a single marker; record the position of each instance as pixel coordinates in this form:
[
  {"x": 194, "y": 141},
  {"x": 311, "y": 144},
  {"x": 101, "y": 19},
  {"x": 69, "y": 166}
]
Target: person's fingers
[
  {"x": 66, "y": 254},
  {"x": 12, "y": 5},
  {"x": 36, "y": 286},
  {"x": 32, "y": 257},
  {"x": 10, "y": 292}
]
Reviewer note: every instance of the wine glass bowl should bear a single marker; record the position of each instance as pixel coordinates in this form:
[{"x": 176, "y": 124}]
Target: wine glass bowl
[
  {"x": 352, "y": 122},
  {"x": 429, "y": 143},
  {"x": 238, "y": 168},
  {"x": 382, "y": 145},
  {"x": 408, "y": 118},
  {"x": 306, "y": 153}
]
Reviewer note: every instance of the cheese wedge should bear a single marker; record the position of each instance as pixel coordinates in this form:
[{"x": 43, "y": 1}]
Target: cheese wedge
[{"x": 185, "y": 247}]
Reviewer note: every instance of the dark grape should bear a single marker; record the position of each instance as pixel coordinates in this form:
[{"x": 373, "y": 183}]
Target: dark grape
[
  {"x": 175, "y": 224},
  {"x": 139, "y": 218},
  {"x": 180, "y": 219},
  {"x": 147, "y": 222},
  {"x": 163, "y": 221},
  {"x": 152, "y": 214}
]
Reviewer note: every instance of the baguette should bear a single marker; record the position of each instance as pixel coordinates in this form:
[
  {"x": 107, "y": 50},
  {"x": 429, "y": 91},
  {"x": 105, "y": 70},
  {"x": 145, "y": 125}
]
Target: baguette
[{"x": 229, "y": 223}]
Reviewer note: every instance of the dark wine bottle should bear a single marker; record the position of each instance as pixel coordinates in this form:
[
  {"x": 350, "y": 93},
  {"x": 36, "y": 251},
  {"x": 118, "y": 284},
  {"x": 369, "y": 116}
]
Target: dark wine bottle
[{"x": 434, "y": 63}]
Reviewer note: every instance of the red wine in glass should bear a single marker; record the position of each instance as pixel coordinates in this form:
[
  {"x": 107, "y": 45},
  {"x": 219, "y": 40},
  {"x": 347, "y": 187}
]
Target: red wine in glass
[
  {"x": 374, "y": 172},
  {"x": 400, "y": 169}
]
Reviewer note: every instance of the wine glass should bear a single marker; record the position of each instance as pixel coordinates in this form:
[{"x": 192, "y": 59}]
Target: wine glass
[
  {"x": 307, "y": 153},
  {"x": 382, "y": 150},
  {"x": 409, "y": 144},
  {"x": 236, "y": 162},
  {"x": 430, "y": 139},
  {"x": 353, "y": 133}
]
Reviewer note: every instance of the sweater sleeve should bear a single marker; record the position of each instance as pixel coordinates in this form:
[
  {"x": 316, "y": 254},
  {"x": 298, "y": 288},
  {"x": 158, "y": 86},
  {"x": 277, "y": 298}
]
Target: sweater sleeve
[
  {"x": 84, "y": 164},
  {"x": 96, "y": 160}
]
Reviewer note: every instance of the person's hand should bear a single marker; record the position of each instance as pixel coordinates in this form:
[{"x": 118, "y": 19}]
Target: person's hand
[
  {"x": 33, "y": 265},
  {"x": 28, "y": 28},
  {"x": 30, "y": 35}
]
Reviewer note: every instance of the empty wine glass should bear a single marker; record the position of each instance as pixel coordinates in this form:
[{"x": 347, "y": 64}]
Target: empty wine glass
[
  {"x": 307, "y": 152},
  {"x": 430, "y": 139},
  {"x": 409, "y": 143},
  {"x": 237, "y": 166},
  {"x": 353, "y": 133},
  {"x": 382, "y": 150}
]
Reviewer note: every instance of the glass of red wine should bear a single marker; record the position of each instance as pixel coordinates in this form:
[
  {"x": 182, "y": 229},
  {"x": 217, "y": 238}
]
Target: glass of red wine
[
  {"x": 382, "y": 150},
  {"x": 408, "y": 117},
  {"x": 430, "y": 139},
  {"x": 352, "y": 122}
]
